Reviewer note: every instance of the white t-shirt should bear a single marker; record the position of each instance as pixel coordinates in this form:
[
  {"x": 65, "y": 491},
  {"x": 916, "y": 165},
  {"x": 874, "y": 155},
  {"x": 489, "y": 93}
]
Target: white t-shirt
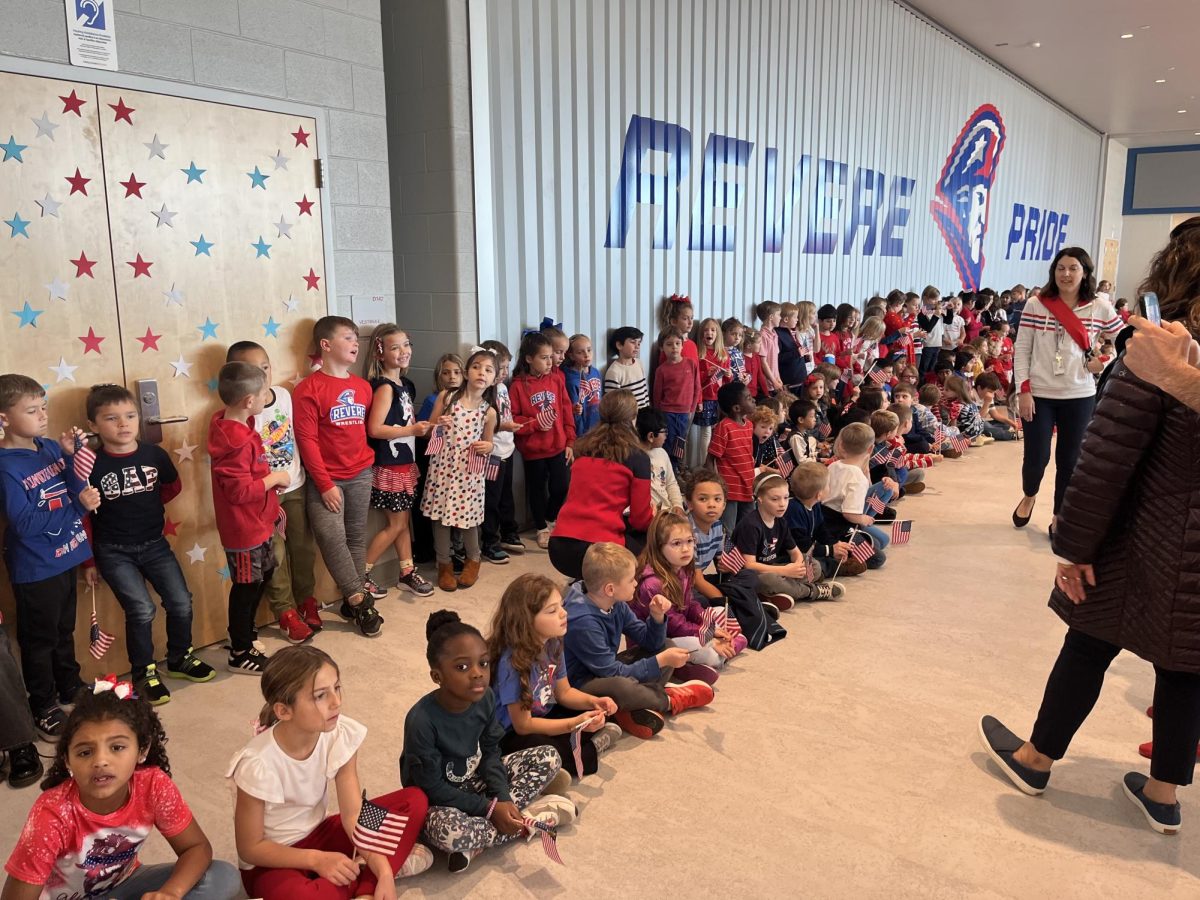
[
  {"x": 503, "y": 442},
  {"x": 952, "y": 331},
  {"x": 277, "y": 429},
  {"x": 848, "y": 486},
  {"x": 664, "y": 489},
  {"x": 295, "y": 791}
]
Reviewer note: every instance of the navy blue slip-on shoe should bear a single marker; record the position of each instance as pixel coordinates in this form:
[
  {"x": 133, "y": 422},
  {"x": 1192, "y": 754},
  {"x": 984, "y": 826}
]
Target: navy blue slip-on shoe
[
  {"x": 1001, "y": 744},
  {"x": 1165, "y": 818}
]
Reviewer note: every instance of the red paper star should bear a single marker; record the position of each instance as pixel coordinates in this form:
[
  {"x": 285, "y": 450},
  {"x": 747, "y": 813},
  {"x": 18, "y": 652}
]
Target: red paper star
[
  {"x": 149, "y": 340},
  {"x": 312, "y": 278},
  {"x": 91, "y": 341},
  {"x": 301, "y": 136},
  {"x": 78, "y": 182},
  {"x": 133, "y": 187},
  {"x": 72, "y": 103},
  {"x": 83, "y": 265},
  {"x": 140, "y": 267},
  {"x": 170, "y": 528},
  {"x": 305, "y": 205},
  {"x": 314, "y": 360},
  {"x": 122, "y": 111}
]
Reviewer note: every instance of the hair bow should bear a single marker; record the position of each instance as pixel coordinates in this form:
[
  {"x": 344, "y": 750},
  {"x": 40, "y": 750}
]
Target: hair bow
[
  {"x": 548, "y": 322},
  {"x": 123, "y": 689},
  {"x": 475, "y": 350}
]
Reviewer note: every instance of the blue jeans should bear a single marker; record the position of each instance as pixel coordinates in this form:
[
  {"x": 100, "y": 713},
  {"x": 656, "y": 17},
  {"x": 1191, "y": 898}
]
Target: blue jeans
[
  {"x": 677, "y": 430},
  {"x": 127, "y": 568},
  {"x": 220, "y": 882},
  {"x": 879, "y": 536},
  {"x": 998, "y": 431}
]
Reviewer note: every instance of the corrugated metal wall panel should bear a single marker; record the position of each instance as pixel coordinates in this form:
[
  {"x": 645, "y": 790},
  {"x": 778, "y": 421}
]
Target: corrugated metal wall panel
[{"x": 862, "y": 83}]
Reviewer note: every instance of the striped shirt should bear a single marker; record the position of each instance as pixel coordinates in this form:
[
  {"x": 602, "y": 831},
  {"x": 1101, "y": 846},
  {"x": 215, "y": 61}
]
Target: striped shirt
[
  {"x": 732, "y": 446},
  {"x": 629, "y": 377},
  {"x": 707, "y": 545},
  {"x": 1041, "y": 338}
]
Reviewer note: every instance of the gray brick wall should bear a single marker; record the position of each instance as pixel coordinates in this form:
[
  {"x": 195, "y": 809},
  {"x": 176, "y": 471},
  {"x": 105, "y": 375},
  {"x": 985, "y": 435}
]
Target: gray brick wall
[{"x": 326, "y": 53}]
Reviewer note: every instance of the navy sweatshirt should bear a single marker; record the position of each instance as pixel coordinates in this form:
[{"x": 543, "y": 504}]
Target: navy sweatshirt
[
  {"x": 594, "y": 636},
  {"x": 45, "y": 535}
]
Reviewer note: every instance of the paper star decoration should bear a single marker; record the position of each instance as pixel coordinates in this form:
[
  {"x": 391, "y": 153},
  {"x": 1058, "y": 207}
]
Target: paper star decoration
[
  {"x": 261, "y": 248},
  {"x": 202, "y": 246},
  {"x": 12, "y": 150},
  {"x": 291, "y": 303},
  {"x": 174, "y": 296},
  {"x": 44, "y": 126},
  {"x": 311, "y": 279},
  {"x": 78, "y": 182},
  {"x": 72, "y": 103},
  {"x": 185, "y": 451},
  {"x": 28, "y": 315},
  {"x": 133, "y": 187},
  {"x": 121, "y": 111},
  {"x": 164, "y": 216},
  {"x": 170, "y": 527},
  {"x": 194, "y": 174},
  {"x": 63, "y": 370},
  {"x": 208, "y": 329},
  {"x": 212, "y": 384},
  {"x": 271, "y": 327},
  {"x": 83, "y": 265},
  {"x": 49, "y": 206},
  {"x": 182, "y": 367},
  {"x": 257, "y": 179},
  {"x": 301, "y": 136},
  {"x": 156, "y": 148},
  {"x": 18, "y": 226},
  {"x": 284, "y": 228},
  {"x": 314, "y": 361},
  {"x": 280, "y": 160},
  {"x": 295, "y": 379},
  {"x": 196, "y": 554},
  {"x": 305, "y": 205},
  {"x": 223, "y": 572},
  {"x": 140, "y": 266},
  {"x": 91, "y": 341},
  {"x": 58, "y": 290},
  {"x": 149, "y": 340}
]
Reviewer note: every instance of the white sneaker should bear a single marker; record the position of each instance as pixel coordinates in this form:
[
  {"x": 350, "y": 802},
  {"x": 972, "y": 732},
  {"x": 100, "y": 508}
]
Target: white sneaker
[
  {"x": 604, "y": 739},
  {"x": 419, "y": 860},
  {"x": 543, "y": 537},
  {"x": 564, "y": 810},
  {"x": 558, "y": 783}
]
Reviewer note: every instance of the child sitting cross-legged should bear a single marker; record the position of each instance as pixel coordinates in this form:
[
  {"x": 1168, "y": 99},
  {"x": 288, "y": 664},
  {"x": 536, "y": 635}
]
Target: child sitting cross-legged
[
  {"x": 845, "y": 505},
  {"x": 706, "y": 503},
  {"x": 925, "y": 413},
  {"x": 805, "y": 519},
  {"x": 998, "y": 422},
  {"x": 890, "y": 459}
]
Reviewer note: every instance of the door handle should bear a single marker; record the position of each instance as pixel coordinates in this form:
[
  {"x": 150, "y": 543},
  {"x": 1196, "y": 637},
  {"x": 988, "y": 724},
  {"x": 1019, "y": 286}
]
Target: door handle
[{"x": 152, "y": 419}]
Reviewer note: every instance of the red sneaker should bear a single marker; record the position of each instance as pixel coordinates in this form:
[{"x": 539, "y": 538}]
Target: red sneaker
[
  {"x": 782, "y": 602},
  {"x": 310, "y": 612},
  {"x": 293, "y": 627},
  {"x": 1147, "y": 749},
  {"x": 689, "y": 695},
  {"x": 641, "y": 723}
]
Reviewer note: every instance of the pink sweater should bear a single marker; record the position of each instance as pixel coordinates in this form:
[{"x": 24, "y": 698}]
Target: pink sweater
[{"x": 769, "y": 351}]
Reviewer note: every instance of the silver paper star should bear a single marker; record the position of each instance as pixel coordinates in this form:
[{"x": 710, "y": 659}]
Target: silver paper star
[
  {"x": 182, "y": 367},
  {"x": 156, "y": 148},
  {"x": 280, "y": 160},
  {"x": 291, "y": 303},
  {"x": 196, "y": 554},
  {"x": 284, "y": 228},
  {"x": 58, "y": 289},
  {"x": 164, "y": 216},
  {"x": 63, "y": 370},
  {"x": 44, "y": 126},
  {"x": 185, "y": 451},
  {"x": 174, "y": 296},
  {"x": 49, "y": 206}
]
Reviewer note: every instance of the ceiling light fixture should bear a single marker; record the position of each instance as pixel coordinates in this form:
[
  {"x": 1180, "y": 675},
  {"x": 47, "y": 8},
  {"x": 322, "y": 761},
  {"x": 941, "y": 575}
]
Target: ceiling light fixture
[
  {"x": 1181, "y": 110},
  {"x": 1160, "y": 81},
  {"x": 1126, "y": 37}
]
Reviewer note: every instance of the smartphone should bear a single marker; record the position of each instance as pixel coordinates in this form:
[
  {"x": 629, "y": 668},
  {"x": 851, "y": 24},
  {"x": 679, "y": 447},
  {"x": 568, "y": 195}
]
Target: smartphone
[{"x": 1150, "y": 310}]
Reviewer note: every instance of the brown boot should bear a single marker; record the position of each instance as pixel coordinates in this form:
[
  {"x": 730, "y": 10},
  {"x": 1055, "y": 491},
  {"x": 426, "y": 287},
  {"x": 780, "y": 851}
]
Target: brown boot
[
  {"x": 469, "y": 574},
  {"x": 950, "y": 452},
  {"x": 915, "y": 488},
  {"x": 852, "y": 567},
  {"x": 446, "y": 579}
]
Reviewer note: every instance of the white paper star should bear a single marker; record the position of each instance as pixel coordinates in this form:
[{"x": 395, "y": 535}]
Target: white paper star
[
  {"x": 182, "y": 367},
  {"x": 185, "y": 451},
  {"x": 196, "y": 554},
  {"x": 280, "y": 160},
  {"x": 58, "y": 289},
  {"x": 156, "y": 148},
  {"x": 291, "y": 303},
  {"x": 44, "y": 126},
  {"x": 284, "y": 228},
  {"x": 49, "y": 206},
  {"x": 63, "y": 370},
  {"x": 174, "y": 296},
  {"x": 164, "y": 216},
  {"x": 294, "y": 380}
]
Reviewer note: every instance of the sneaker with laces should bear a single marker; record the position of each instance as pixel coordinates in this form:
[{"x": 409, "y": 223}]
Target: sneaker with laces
[
  {"x": 829, "y": 590},
  {"x": 495, "y": 555},
  {"x": 604, "y": 739},
  {"x": 293, "y": 627},
  {"x": 364, "y": 615},
  {"x": 512, "y": 543},
  {"x": 24, "y": 766},
  {"x": 51, "y": 722},
  {"x": 310, "y": 612},
  {"x": 191, "y": 668},
  {"x": 412, "y": 581},
  {"x": 150, "y": 686},
  {"x": 782, "y": 602},
  {"x": 460, "y": 859},
  {"x": 695, "y": 672},
  {"x": 689, "y": 695},
  {"x": 420, "y": 859},
  {"x": 560, "y": 807},
  {"x": 247, "y": 662},
  {"x": 543, "y": 538},
  {"x": 374, "y": 591},
  {"x": 641, "y": 723}
]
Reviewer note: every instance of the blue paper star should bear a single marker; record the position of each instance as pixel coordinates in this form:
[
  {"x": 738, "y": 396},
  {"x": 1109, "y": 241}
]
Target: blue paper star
[
  {"x": 208, "y": 329},
  {"x": 212, "y": 384},
  {"x": 27, "y": 315},
  {"x": 224, "y": 572},
  {"x": 271, "y": 327},
  {"x": 18, "y": 225},
  {"x": 262, "y": 248},
  {"x": 12, "y": 150},
  {"x": 202, "y": 246},
  {"x": 193, "y": 173},
  {"x": 258, "y": 179}
]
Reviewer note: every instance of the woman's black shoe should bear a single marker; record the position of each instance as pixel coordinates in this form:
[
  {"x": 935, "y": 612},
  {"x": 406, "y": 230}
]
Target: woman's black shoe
[
  {"x": 24, "y": 766},
  {"x": 1022, "y": 521}
]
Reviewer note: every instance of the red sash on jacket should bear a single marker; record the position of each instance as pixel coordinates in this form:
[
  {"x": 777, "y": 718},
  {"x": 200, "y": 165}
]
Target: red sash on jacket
[{"x": 1070, "y": 322}]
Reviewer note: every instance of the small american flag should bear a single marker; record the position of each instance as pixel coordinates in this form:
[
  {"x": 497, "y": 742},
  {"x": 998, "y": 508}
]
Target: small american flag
[
  {"x": 960, "y": 443},
  {"x": 877, "y": 376},
  {"x": 84, "y": 460},
  {"x": 679, "y": 447},
  {"x": 378, "y": 830},
  {"x": 731, "y": 560},
  {"x": 824, "y": 430},
  {"x": 732, "y": 626},
  {"x": 875, "y": 505},
  {"x": 813, "y": 567},
  {"x": 712, "y": 619},
  {"x": 492, "y": 472},
  {"x": 881, "y": 456},
  {"x": 863, "y": 551},
  {"x": 99, "y": 639},
  {"x": 901, "y": 532},
  {"x": 577, "y": 751},
  {"x": 783, "y": 462},
  {"x": 546, "y": 418},
  {"x": 476, "y": 463},
  {"x": 718, "y": 376},
  {"x": 549, "y": 835},
  {"x": 437, "y": 441}
]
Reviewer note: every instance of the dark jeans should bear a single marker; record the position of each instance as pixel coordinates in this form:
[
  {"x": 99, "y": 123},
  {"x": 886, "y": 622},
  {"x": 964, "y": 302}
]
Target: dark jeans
[
  {"x": 1074, "y": 686},
  {"x": 127, "y": 568},
  {"x": 929, "y": 358},
  {"x": 677, "y": 430},
  {"x": 1071, "y": 417},
  {"x": 16, "y": 725},
  {"x": 243, "y": 610},
  {"x": 546, "y": 483},
  {"x": 46, "y": 636},
  {"x": 512, "y": 742},
  {"x": 499, "y": 511}
]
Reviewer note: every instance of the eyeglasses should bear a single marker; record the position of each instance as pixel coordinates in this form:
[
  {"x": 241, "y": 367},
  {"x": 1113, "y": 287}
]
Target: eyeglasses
[{"x": 682, "y": 544}]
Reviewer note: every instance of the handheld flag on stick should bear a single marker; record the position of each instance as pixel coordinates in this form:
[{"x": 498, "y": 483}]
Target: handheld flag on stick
[
  {"x": 492, "y": 472},
  {"x": 901, "y": 532},
  {"x": 783, "y": 462},
  {"x": 549, "y": 835},
  {"x": 875, "y": 505},
  {"x": 546, "y": 418},
  {"x": 437, "y": 440},
  {"x": 378, "y": 830},
  {"x": 863, "y": 550},
  {"x": 84, "y": 460},
  {"x": 577, "y": 750},
  {"x": 732, "y": 626},
  {"x": 476, "y": 463},
  {"x": 99, "y": 640},
  {"x": 731, "y": 561},
  {"x": 712, "y": 619}
]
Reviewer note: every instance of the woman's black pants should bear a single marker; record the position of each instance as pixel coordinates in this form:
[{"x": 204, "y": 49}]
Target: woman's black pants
[{"x": 1071, "y": 418}]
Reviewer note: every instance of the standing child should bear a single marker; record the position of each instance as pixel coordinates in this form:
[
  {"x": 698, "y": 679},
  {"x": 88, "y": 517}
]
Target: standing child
[
  {"x": 498, "y": 534},
  {"x": 392, "y": 430},
  {"x": 44, "y": 501},
  {"x": 107, "y": 790},
  {"x": 732, "y": 332},
  {"x": 827, "y": 342},
  {"x": 535, "y": 703},
  {"x": 792, "y": 366},
  {"x": 246, "y": 504},
  {"x": 806, "y": 332},
  {"x": 676, "y": 393},
  {"x": 752, "y": 353},
  {"x": 287, "y": 845},
  {"x": 135, "y": 481},
  {"x": 454, "y": 491},
  {"x": 714, "y": 372},
  {"x": 479, "y": 798},
  {"x": 290, "y": 590},
  {"x": 17, "y": 732},
  {"x": 678, "y": 313},
  {"x": 331, "y": 428},
  {"x": 731, "y": 452},
  {"x": 626, "y": 372},
  {"x": 583, "y": 383},
  {"x": 664, "y": 489},
  {"x": 769, "y": 314},
  {"x": 447, "y": 376},
  {"x": 541, "y": 408}
]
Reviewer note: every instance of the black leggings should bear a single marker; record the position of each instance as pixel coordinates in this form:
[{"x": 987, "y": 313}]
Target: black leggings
[
  {"x": 1074, "y": 686},
  {"x": 566, "y": 554},
  {"x": 546, "y": 484},
  {"x": 243, "y": 610},
  {"x": 1071, "y": 417},
  {"x": 512, "y": 742}
]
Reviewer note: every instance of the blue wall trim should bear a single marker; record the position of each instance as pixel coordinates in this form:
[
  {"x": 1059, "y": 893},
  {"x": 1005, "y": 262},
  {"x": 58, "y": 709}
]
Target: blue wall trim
[{"x": 1127, "y": 207}]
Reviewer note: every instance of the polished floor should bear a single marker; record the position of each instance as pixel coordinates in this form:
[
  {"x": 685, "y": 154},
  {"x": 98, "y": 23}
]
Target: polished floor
[{"x": 842, "y": 762}]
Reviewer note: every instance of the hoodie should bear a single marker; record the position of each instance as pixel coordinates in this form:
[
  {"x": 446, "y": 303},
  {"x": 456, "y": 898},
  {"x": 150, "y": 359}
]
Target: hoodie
[
  {"x": 530, "y": 395},
  {"x": 245, "y": 510},
  {"x": 593, "y": 637},
  {"x": 39, "y": 490}
]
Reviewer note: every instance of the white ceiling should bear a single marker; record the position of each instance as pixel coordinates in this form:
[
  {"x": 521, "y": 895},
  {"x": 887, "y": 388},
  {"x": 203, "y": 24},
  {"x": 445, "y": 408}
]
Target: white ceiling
[{"x": 1085, "y": 65}]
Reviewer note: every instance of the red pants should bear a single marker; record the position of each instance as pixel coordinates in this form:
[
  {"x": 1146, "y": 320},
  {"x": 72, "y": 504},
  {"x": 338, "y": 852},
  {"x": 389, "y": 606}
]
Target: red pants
[{"x": 330, "y": 836}]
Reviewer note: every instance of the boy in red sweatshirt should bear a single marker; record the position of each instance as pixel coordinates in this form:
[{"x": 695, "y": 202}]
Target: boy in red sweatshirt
[
  {"x": 330, "y": 412},
  {"x": 246, "y": 505}
]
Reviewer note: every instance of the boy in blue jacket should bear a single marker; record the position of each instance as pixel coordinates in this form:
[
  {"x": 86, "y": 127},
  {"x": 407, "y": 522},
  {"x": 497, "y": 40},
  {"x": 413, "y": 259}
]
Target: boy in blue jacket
[
  {"x": 44, "y": 502},
  {"x": 597, "y": 615},
  {"x": 805, "y": 520}
]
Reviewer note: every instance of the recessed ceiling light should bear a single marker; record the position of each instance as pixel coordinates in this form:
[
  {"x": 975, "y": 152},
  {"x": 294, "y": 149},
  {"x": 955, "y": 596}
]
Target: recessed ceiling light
[
  {"x": 1145, "y": 27},
  {"x": 1160, "y": 81},
  {"x": 1126, "y": 37},
  {"x": 1171, "y": 69},
  {"x": 1036, "y": 44},
  {"x": 1181, "y": 110},
  {"x": 1197, "y": 133}
]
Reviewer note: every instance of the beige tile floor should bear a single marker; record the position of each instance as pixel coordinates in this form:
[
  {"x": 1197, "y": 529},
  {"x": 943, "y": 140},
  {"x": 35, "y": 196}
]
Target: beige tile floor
[{"x": 842, "y": 762}]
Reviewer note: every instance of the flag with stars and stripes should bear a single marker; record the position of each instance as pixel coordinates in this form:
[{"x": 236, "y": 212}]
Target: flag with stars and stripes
[
  {"x": 549, "y": 836},
  {"x": 783, "y": 462},
  {"x": 84, "y": 460},
  {"x": 731, "y": 561},
  {"x": 712, "y": 620},
  {"x": 378, "y": 830},
  {"x": 875, "y": 505},
  {"x": 437, "y": 441},
  {"x": 577, "y": 750},
  {"x": 476, "y": 463},
  {"x": 862, "y": 551},
  {"x": 492, "y": 471},
  {"x": 901, "y": 532}
]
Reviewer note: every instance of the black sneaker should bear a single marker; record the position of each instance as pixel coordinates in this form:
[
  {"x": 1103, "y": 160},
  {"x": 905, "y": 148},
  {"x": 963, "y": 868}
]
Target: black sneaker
[
  {"x": 413, "y": 581},
  {"x": 51, "y": 723},
  {"x": 24, "y": 766},
  {"x": 1001, "y": 744},
  {"x": 150, "y": 686},
  {"x": 512, "y": 543},
  {"x": 1165, "y": 818},
  {"x": 374, "y": 590},
  {"x": 495, "y": 555},
  {"x": 771, "y": 610},
  {"x": 365, "y": 616},
  {"x": 191, "y": 668},
  {"x": 248, "y": 662}
]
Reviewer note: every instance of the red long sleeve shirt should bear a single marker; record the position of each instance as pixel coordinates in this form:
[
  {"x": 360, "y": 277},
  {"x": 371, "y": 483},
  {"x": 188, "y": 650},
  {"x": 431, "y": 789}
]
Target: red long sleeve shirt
[
  {"x": 530, "y": 395},
  {"x": 677, "y": 387},
  {"x": 245, "y": 509},
  {"x": 330, "y": 416},
  {"x": 599, "y": 493}
]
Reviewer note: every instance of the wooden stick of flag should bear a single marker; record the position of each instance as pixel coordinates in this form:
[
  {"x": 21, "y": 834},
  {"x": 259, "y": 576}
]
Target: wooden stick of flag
[{"x": 549, "y": 837}]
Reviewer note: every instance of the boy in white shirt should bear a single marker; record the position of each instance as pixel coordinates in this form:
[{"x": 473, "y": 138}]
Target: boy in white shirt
[
  {"x": 845, "y": 499},
  {"x": 664, "y": 489}
]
